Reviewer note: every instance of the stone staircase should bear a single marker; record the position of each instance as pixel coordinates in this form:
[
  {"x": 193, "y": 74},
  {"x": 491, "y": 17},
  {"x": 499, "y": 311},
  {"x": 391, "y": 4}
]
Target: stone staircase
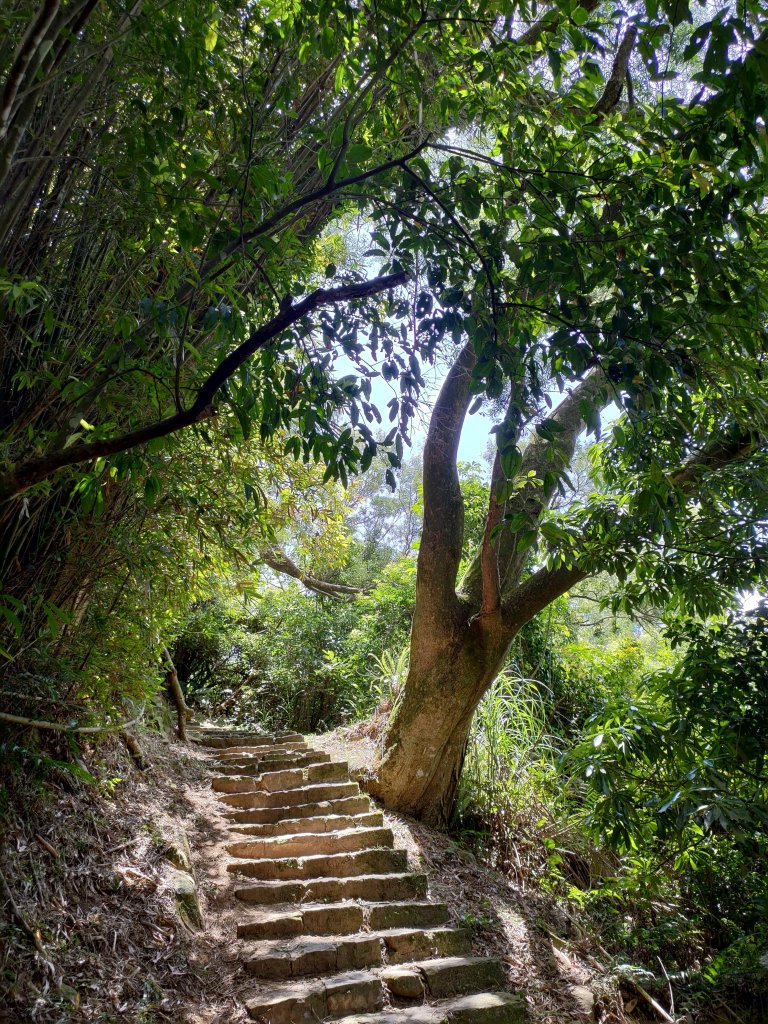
[{"x": 334, "y": 925}]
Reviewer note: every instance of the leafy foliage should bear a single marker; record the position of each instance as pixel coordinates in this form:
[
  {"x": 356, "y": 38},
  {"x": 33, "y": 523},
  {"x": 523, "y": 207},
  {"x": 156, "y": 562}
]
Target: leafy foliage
[
  {"x": 686, "y": 755},
  {"x": 243, "y": 662}
]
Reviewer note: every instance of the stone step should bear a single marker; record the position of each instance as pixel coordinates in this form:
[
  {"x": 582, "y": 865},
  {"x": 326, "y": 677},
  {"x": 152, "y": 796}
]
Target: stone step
[
  {"x": 482, "y": 1008},
  {"x": 259, "y": 750},
  {"x": 362, "y": 994},
  {"x": 302, "y": 957},
  {"x": 305, "y": 844},
  {"x": 284, "y": 758},
  {"x": 380, "y": 916},
  {"x": 286, "y": 778},
  {"x": 373, "y": 888},
  {"x": 325, "y": 865},
  {"x": 310, "y": 1002},
  {"x": 252, "y": 755},
  {"x": 242, "y": 735},
  {"x": 334, "y": 771},
  {"x": 401, "y": 945},
  {"x": 348, "y": 805},
  {"x": 233, "y": 742},
  {"x": 444, "y": 978},
  {"x": 283, "y": 798},
  {"x": 289, "y": 777},
  {"x": 241, "y": 765},
  {"x": 314, "y": 956},
  {"x": 324, "y": 823},
  {"x": 340, "y": 919},
  {"x": 312, "y": 919}
]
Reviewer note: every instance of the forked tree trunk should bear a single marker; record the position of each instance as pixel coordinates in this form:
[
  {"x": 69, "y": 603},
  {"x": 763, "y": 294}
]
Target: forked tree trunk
[{"x": 460, "y": 637}]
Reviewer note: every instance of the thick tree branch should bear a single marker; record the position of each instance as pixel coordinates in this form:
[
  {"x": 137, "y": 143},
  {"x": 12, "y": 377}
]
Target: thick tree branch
[
  {"x": 35, "y": 470},
  {"x": 615, "y": 84},
  {"x": 548, "y": 24},
  {"x": 538, "y": 591},
  {"x": 214, "y": 267},
  {"x": 490, "y": 583},
  {"x": 497, "y": 564},
  {"x": 177, "y": 696},
  {"x": 281, "y": 563},
  {"x": 715, "y": 455},
  {"x": 546, "y": 585},
  {"x": 543, "y": 461},
  {"x": 34, "y": 723},
  {"x": 443, "y": 529}
]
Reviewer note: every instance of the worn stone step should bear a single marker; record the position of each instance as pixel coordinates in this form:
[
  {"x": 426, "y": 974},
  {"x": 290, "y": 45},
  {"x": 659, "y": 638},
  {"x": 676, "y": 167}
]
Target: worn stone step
[
  {"x": 314, "y": 956},
  {"x": 259, "y": 750},
  {"x": 444, "y": 978},
  {"x": 373, "y": 888},
  {"x": 340, "y": 919},
  {"x": 245, "y": 742},
  {"x": 405, "y": 944},
  {"x": 326, "y": 865},
  {"x": 306, "y": 844},
  {"x": 284, "y": 779},
  {"x": 318, "y": 825},
  {"x": 380, "y": 916},
  {"x": 312, "y": 919},
  {"x": 333, "y": 771},
  {"x": 284, "y": 798},
  {"x": 264, "y": 782},
  {"x": 225, "y": 734},
  {"x": 481, "y": 1008},
  {"x": 313, "y": 1001},
  {"x": 241, "y": 765},
  {"x": 254, "y": 755},
  {"x": 259, "y": 815},
  {"x": 304, "y": 956}
]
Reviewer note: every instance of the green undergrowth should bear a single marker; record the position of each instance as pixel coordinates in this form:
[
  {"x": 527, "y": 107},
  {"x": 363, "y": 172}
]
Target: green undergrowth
[
  {"x": 674, "y": 888},
  {"x": 244, "y": 665}
]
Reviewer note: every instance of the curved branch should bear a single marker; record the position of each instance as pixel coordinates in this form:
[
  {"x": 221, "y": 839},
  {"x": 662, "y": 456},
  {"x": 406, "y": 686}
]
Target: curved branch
[
  {"x": 543, "y": 460},
  {"x": 538, "y": 591},
  {"x": 496, "y": 566},
  {"x": 548, "y": 24},
  {"x": 213, "y": 268},
  {"x": 35, "y": 470},
  {"x": 281, "y": 563},
  {"x": 716, "y": 455},
  {"x": 34, "y": 723}
]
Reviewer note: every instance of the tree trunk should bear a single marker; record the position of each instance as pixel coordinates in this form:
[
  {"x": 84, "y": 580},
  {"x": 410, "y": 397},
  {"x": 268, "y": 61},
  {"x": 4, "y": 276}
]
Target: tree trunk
[
  {"x": 427, "y": 738},
  {"x": 177, "y": 697},
  {"x": 175, "y": 692}
]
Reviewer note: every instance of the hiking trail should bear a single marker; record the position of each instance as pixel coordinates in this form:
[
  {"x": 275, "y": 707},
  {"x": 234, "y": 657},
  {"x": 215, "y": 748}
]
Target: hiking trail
[{"x": 335, "y": 925}]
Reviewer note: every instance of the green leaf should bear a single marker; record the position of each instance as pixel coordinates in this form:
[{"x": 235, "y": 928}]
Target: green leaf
[
  {"x": 211, "y": 35},
  {"x": 359, "y": 153},
  {"x": 152, "y": 487},
  {"x": 511, "y": 462}
]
